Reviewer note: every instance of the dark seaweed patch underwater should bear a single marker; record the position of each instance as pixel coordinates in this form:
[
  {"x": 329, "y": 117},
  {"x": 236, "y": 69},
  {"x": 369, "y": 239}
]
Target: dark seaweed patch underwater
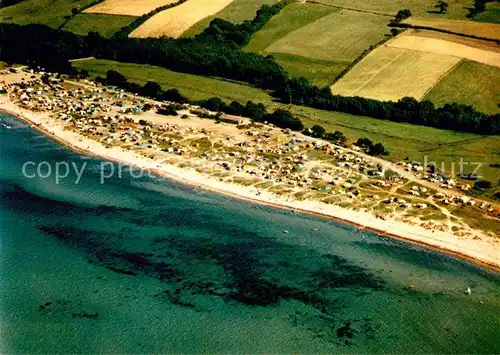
[{"x": 152, "y": 266}]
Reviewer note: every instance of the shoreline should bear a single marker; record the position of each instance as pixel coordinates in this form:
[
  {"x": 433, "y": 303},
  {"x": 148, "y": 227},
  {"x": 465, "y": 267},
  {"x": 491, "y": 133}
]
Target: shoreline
[{"x": 418, "y": 235}]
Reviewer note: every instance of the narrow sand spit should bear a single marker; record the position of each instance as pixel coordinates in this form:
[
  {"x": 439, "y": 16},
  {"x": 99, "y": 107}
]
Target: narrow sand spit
[
  {"x": 175, "y": 21},
  {"x": 127, "y": 7}
]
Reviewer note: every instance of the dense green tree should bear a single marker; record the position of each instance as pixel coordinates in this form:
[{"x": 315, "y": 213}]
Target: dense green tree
[
  {"x": 152, "y": 89},
  {"x": 257, "y": 112},
  {"x": 116, "y": 79},
  {"x": 336, "y": 136},
  {"x": 482, "y": 184},
  {"x": 442, "y": 6},
  {"x": 377, "y": 149},
  {"x": 214, "y": 104},
  {"x": 284, "y": 119},
  {"x": 364, "y": 143}
]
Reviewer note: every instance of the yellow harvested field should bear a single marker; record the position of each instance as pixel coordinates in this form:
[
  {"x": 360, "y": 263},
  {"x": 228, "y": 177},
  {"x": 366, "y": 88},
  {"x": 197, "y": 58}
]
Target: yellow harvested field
[
  {"x": 471, "y": 42},
  {"x": 127, "y": 7},
  {"x": 390, "y": 73},
  {"x": 481, "y": 29},
  {"x": 173, "y": 22},
  {"x": 440, "y": 46}
]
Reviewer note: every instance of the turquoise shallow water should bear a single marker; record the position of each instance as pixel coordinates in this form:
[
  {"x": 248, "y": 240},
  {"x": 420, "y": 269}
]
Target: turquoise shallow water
[{"x": 147, "y": 265}]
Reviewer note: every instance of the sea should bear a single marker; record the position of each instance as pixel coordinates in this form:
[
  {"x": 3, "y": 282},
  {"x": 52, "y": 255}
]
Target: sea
[{"x": 133, "y": 263}]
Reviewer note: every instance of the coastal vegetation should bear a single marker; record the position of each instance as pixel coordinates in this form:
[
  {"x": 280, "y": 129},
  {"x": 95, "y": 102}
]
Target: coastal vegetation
[{"x": 403, "y": 141}]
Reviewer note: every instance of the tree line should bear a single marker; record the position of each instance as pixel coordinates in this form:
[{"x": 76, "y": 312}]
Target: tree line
[{"x": 216, "y": 52}]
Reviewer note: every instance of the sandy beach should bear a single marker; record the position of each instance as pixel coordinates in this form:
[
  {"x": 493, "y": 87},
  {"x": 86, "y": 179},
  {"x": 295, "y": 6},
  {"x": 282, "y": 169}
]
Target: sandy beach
[{"x": 484, "y": 251}]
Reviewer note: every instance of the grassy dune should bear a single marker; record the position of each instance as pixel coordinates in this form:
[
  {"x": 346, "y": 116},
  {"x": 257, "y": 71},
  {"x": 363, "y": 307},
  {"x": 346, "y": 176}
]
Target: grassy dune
[
  {"x": 192, "y": 86},
  {"x": 470, "y": 83},
  {"x": 46, "y": 12},
  {"x": 236, "y": 12},
  {"x": 106, "y": 25},
  {"x": 342, "y": 35},
  {"x": 293, "y": 17}
]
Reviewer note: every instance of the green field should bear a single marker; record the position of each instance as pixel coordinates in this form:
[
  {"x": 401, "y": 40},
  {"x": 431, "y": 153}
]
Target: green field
[
  {"x": 492, "y": 16},
  {"x": 470, "y": 83},
  {"x": 47, "y": 12},
  {"x": 238, "y": 11},
  {"x": 291, "y": 18},
  {"x": 319, "y": 72},
  {"x": 106, "y": 25},
  {"x": 192, "y": 86},
  {"x": 342, "y": 35}
]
